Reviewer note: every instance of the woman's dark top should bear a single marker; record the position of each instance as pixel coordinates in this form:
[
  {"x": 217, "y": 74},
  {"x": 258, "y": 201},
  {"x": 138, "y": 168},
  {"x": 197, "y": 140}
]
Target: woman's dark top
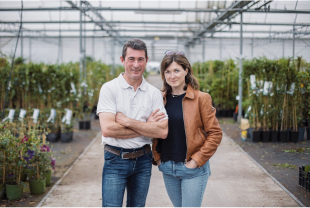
[{"x": 174, "y": 146}]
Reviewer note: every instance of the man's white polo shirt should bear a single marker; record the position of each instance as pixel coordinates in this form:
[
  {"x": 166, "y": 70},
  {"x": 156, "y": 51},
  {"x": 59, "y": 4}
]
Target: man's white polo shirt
[{"x": 118, "y": 96}]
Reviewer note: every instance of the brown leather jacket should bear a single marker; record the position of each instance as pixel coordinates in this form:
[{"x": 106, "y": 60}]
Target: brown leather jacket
[{"x": 203, "y": 132}]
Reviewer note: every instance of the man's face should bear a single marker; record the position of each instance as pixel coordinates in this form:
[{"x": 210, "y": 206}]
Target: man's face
[{"x": 134, "y": 63}]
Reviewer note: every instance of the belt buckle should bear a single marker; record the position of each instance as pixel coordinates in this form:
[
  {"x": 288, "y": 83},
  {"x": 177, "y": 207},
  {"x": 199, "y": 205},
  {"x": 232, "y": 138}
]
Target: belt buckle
[{"x": 126, "y": 153}]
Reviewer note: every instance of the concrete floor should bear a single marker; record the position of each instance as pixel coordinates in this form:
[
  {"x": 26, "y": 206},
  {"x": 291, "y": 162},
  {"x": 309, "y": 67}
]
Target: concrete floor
[{"x": 235, "y": 181}]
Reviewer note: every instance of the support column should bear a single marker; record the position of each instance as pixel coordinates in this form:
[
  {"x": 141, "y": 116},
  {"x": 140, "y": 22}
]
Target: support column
[
  {"x": 93, "y": 48},
  {"x": 81, "y": 47},
  {"x": 84, "y": 55},
  {"x": 240, "y": 69},
  {"x": 29, "y": 49},
  {"x": 294, "y": 42},
  {"x": 153, "y": 52},
  {"x": 283, "y": 49},
  {"x": 61, "y": 50},
  {"x": 113, "y": 56},
  {"x": 252, "y": 49},
  {"x": 21, "y": 44},
  {"x": 187, "y": 53},
  {"x": 221, "y": 46},
  {"x": 203, "y": 50}
]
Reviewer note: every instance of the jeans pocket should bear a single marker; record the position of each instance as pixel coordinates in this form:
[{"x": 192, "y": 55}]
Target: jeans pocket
[
  {"x": 108, "y": 156},
  {"x": 159, "y": 167},
  {"x": 197, "y": 168},
  {"x": 149, "y": 155}
]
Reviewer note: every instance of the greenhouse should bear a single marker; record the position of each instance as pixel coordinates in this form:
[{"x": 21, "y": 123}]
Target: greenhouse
[{"x": 58, "y": 58}]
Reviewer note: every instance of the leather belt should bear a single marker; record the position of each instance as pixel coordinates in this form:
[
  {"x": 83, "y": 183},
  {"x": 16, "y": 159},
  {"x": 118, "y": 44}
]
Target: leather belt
[{"x": 129, "y": 155}]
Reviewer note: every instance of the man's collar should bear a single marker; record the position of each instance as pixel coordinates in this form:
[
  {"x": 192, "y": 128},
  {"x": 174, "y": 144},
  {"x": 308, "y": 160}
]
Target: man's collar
[{"x": 125, "y": 84}]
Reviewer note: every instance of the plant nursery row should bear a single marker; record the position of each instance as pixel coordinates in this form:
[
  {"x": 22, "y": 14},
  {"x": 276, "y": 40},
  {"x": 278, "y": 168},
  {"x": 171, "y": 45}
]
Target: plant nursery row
[
  {"x": 43, "y": 102},
  {"x": 276, "y": 95}
]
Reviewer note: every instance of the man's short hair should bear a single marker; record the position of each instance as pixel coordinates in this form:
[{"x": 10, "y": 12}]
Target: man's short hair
[{"x": 135, "y": 44}]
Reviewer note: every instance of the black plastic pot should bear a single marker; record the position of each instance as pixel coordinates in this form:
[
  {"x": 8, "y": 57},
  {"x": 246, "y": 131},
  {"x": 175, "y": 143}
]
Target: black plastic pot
[
  {"x": 66, "y": 137},
  {"x": 53, "y": 137},
  {"x": 283, "y": 136},
  {"x": 266, "y": 136},
  {"x": 257, "y": 136},
  {"x": 274, "y": 136},
  {"x": 235, "y": 116},
  {"x": 308, "y": 133},
  {"x": 294, "y": 136},
  {"x": 304, "y": 178},
  {"x": 251, "y": 133},
  {"x": 301, "y": 133},
  {"x": 220, "y": 113},
  {"x": 84, "y": 125},
  {"x": 231, "y": 113}
]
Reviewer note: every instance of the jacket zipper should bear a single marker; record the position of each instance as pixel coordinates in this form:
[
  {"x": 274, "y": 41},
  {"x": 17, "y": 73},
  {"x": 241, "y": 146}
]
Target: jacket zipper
[{"x": 185, "y": 132}]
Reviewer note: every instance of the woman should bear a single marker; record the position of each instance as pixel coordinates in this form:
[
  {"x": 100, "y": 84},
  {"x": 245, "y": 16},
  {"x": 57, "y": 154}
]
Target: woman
[{"x": 194, "y": 133}]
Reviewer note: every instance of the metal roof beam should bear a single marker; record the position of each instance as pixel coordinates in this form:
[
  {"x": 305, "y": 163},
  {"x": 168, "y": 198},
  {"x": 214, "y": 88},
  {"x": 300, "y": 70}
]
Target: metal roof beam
[
  {"x": 164, "y": 10},
  {"x": 102, "y": 23},
  {"x": 221, "y": 17},
  {"x": 155, "y": 22},
  {"x": 127, "y": 30},
  {"x": 152, "y": 37},
  {"x": 35, "y": 34}
]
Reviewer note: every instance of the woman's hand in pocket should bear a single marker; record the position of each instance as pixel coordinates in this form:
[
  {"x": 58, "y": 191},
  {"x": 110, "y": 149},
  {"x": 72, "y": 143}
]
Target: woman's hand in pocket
[
  {"x": 158, "y": 162},
  {"x": 191, "y": 164}
]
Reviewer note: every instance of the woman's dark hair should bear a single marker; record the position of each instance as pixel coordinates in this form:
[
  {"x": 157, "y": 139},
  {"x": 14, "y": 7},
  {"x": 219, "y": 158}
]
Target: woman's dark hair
[
  {"x": 135, "y": 44},
  {"x": 181, "y": 60}
]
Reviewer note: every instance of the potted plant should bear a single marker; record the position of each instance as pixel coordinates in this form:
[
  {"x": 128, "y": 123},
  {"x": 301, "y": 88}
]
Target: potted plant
[
  {"x": 53, "y": 127},
  {"x": 47, "y": 163},
  {"x": 35, "y": 158},
  {"x": 84, "y": 117},
  {"x": 67, "y": 126},
  {"x": 4, "y": 142},
  {"x": 14, "y": 162}
]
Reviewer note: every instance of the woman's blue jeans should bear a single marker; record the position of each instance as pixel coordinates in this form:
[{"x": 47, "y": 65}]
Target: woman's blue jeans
[
  {"x": 185, "y": 186},
  {"x": 132, "y": 174}
]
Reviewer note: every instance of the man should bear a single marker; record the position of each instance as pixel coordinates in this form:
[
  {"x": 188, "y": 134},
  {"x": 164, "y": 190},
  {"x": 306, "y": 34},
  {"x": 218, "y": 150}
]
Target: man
[{"x": 131, "y": 112}]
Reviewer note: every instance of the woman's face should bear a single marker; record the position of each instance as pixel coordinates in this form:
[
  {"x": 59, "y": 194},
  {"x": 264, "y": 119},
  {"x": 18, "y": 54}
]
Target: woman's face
[{"x": 175, "y": 75}]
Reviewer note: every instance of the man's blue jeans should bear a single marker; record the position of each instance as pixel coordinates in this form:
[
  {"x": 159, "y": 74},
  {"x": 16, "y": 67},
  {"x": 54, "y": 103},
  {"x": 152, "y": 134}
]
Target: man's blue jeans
[
  {"x": 185, "y": 186},
  {"x": 132, "y": 174}
]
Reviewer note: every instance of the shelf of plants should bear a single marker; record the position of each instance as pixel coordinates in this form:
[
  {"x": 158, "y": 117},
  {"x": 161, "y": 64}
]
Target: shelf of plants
[
  {"x": 276, "y": 95},
  {"x": 44, "y": 102}
]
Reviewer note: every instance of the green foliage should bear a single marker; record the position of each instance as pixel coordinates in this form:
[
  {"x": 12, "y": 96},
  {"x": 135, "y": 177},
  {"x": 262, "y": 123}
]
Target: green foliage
[
  {"x": 286, "y": 165},
  {"x": 287, "y": 104},
  {"x": 22, "y": 147},
  {"x": 220, "y": 80}
]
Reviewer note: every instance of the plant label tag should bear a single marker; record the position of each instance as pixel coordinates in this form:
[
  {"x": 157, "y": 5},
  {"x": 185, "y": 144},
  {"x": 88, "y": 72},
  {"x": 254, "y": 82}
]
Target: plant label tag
[
  {"x": 35, "y": 115},
  {"x": 249, "y": 109},
  {"x": 52, "y": 116},
  {"x": 22, "y": 114},
  {"x": 40, "y": 89},
  {"x": 253, "y": 84},
  {"x": 73, "y": 88},
  {"x": 10, "y": 116},
  {"x": 266, "y": 86},
  {"x": 67, "y": 117},
  {"x": 291, "y": 91}
]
